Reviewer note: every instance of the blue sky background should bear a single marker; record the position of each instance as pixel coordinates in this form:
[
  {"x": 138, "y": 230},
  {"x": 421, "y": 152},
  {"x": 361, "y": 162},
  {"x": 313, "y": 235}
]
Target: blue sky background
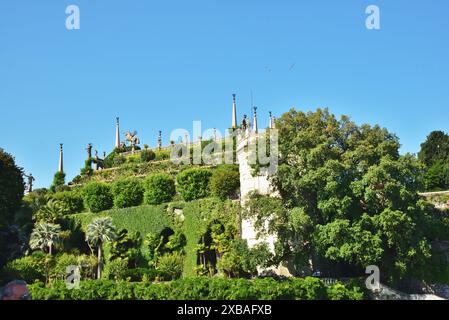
[{"x": 163, "y": 64}]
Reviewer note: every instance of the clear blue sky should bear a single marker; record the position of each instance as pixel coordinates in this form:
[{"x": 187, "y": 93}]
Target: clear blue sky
[{"x": 163, "y": 64}]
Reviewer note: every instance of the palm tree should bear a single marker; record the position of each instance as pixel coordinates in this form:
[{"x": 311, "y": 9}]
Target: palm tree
[
  {"x": 51, "y": 212},
  {"x": 45, "y": 235},
  {"x": 99, "y": 231}
]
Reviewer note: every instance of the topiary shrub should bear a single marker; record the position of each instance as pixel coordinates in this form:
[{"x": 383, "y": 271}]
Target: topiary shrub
[
  {"x": 194, "y": 183},
  {"x": 159, "y": 188},
  {"x": 97, "y": 196},
  {"x": 225, "y": 182},
  {"x": 127, "y": 193},
  {"x": 58, "y": 181},
  {"x": 147, "y": 156},
  {"x": 71, "y": 202}
]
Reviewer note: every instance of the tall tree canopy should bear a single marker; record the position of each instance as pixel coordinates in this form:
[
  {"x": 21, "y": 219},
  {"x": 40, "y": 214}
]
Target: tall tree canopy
[
  {"x": 349, "y": 199},
  {"x": 434, "y": 155},
  {"x": 435, "y": 148},
  {"x": 11, "y": 192}
]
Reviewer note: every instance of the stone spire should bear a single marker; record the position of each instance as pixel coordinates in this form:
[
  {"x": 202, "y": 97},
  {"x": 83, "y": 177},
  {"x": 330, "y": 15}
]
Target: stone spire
[
  {"x": 61, "y": 159},
  {"x": 117, "y": 133},
  {"x": 255, "y": 129},
  {"x": 234, "y": 112},
  {"x": 159, "y": 140}
]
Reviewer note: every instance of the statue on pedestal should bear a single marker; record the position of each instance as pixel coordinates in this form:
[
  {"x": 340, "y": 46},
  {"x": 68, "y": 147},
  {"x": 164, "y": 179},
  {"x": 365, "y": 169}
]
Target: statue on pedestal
[
  {"x": 244, "y": 123},
  {"x": 89, "y": 151},
  {"x": 132, "y": 138},
  {"x": 30, "y": 182}
]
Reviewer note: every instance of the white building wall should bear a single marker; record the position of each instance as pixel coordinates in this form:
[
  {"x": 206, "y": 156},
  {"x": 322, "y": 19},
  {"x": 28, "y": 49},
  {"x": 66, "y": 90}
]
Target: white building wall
[{"x": 248, "y": 184}]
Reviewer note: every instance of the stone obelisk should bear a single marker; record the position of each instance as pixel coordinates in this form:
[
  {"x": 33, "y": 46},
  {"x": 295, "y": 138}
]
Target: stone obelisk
[
  {"x": 255, "y": 129},
  {"x": 117, "y": 133},
  {"x": 159, "y": 140},
  {"x": 61, "y": 159},
  {"x": 234, "y": 112}
]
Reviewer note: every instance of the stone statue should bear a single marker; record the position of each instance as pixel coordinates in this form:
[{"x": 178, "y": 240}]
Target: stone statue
[
  {"x": 30, "y": 182},
  {"x": 89, "y": 151},
  {"x": 132, "y": 138},
  {"x": 244, "y": 123}
]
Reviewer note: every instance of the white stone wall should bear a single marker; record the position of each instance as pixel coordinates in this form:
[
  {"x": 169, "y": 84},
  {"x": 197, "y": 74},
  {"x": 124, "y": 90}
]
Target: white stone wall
[{"x": 248, "y": 184}]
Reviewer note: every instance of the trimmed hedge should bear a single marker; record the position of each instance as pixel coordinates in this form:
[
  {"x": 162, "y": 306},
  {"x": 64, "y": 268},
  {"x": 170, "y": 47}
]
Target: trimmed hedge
[
  {"x": 225, "y": 182},
  {"x": 127, "y": 193},
  {"x": 159, "y": 188},
  {"x": 194, "y": 183},
  {"x": 199, "y": 289},
  {"x": 97, "y": 196},
  {"x": 72, "y": 201}
]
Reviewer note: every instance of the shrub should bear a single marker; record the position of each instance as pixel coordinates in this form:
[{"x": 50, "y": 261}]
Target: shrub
[
  {"x": 225, "y": 182},
  {"x": 97, "y": 196},
  {"x": 147, "y": 156},
  {"x": 118, "y": 160},
  {"x": 116, "y": 269},
  {"x": 193, "y": 183},
  {"x": 159, "y": 188},
  {"x": 200, "y": 288},
  {"x": 162, "y": 155},
  {"x": 36, "y": 199},
  {"x": 71, "y": 202},
  {"x": 29, "y": 268},
  {"x": 140, "y": 274},
  {"x": 169, "y": 266},
  {"x": 58, "y": 180},
  {"x": 127, "y": 193}
]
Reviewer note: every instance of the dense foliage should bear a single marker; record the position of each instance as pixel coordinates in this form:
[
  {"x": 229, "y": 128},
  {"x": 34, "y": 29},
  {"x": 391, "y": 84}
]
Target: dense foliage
[
  {"x": 71, "y": 201},
  {"x": 58, "y": 181},
  {"x": 11, "y": 193},
  {"x": 225, "y": 182},
  {"x": 434, "y": 154},
  {"x": 127, "y": 192},
  {"x": 194, "y": 183},
  {"x": 147, "y": 155},
  {"x": 200, "y": 289},
  {"x": 159, "y": 188},
  {"x": 97, "y": 196},
  {"x": 349, "y": 200}
]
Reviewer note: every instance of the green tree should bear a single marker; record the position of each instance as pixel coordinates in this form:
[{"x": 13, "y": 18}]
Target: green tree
[
  {"x": 11, "y": 192},
  {"x": 348, "y": 198},
  {"x": 99, "y": 231},
  {"x": 45, "y": 236},
  {"x": 435, "y": 148},
  {"x": 58, "y": 181}
]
